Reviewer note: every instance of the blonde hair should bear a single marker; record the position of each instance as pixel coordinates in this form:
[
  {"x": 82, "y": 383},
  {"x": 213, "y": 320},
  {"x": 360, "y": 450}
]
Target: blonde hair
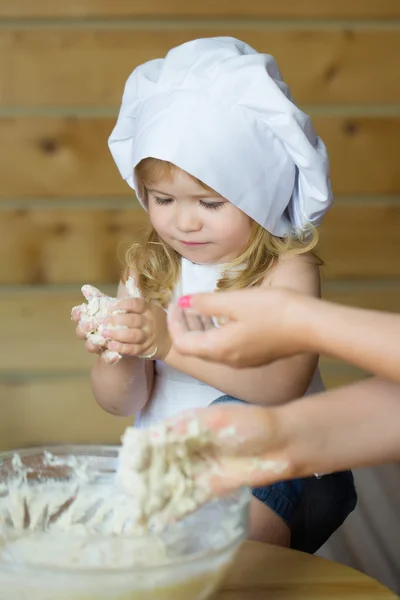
[{"x": 157, "y": 265}]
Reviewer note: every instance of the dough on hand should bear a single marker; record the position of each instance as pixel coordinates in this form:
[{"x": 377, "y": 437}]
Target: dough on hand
[
  {"x": 93, "y": 314},
  {"x": 162, "y": 471}
]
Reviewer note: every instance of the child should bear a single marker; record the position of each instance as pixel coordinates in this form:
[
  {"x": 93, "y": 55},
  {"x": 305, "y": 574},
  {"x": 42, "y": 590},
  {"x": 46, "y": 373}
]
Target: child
[{"x": 235, "y": 181}]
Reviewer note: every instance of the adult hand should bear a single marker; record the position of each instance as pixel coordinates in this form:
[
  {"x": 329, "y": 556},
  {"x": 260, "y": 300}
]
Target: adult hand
[
  {"x": 259, "y": 326},
  {"x": 251, "y": 445}
]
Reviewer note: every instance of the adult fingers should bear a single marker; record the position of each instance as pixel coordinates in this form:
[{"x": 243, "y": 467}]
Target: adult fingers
[
  {"x": 220, "y": 304},
  {"x": 212, "y": 345}
]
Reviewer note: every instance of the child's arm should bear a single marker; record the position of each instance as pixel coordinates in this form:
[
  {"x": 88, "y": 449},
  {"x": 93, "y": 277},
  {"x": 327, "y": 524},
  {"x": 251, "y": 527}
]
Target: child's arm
[
  {"x": 122, "y": 389},
  {"x": 279, "y": 381}
]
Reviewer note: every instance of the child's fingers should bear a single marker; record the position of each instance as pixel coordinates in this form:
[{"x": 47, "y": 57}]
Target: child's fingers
[
  {"x": 77, "y": 312},
  {"x": 130, "y": 320},
  {"x": 176, "y": 320},
  {"x": 92, "y": 348},
  {"x": 88, "y": 325},
  {"x": 110, "y": 357},
  {"x": 89, "y": 291},
  {"x": 80, "y": 333},
  {"x": 133, "y": 305},
  {"x": 125, "y": 335},
  {"x": 193, "y": 320},
  {"x": 208, "y": 322},
  {"x": 183, "y": 320},
  {"x": 126, "y": 349}
]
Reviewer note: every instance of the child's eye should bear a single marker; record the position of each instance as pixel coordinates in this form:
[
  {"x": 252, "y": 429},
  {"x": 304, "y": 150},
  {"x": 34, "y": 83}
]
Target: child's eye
[
  {"x": 213, "y": 205},
  {"x": 162, "y": 200}
]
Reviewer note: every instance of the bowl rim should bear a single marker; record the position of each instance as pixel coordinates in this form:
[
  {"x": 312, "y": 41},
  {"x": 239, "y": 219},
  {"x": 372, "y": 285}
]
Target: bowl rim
[{"x": 243, "y": 495}]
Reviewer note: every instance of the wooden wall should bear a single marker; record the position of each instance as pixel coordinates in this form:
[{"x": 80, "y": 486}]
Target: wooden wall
[{"x": 66, "y": 215}]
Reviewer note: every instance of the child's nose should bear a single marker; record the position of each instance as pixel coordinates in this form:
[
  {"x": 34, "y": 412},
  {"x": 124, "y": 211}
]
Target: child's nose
[{"x": 188, "y": 220}]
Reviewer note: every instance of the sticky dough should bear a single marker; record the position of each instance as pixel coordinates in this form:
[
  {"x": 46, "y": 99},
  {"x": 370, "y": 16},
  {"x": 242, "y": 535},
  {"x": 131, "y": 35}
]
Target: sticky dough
[
  {"x": 98, "y": 308},
  {"x": 162, "y": 469},
  {"x": 156, "y": 482}
]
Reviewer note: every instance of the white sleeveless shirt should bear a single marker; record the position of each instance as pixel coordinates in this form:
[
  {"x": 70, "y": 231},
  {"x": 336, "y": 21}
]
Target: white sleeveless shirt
[{"x": 174, "y": 391}]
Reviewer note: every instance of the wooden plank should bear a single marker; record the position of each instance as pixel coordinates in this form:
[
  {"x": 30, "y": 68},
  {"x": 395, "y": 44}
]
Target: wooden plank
[
  {"x": 64, "y": 246},
  {"x": 52, "y": 411},
  {"x": 206, "y": 8},
  {"x": 360, "y": 241},
  {"x": 82, "y": 245},
  {"x": 321, "y": 65},
  {"x": 61, "y": 157},
  {"x": 360, "y": 150},
  {"x": 40, "y": 337},
  {"x": 64, "y": 157},
  {"x": 40, "y": 334},
  {"x": 371, "y": 296}
]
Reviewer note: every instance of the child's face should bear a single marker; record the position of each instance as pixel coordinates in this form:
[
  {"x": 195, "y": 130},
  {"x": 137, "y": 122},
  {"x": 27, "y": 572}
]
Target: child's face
[{"x": 199, "y": 224}]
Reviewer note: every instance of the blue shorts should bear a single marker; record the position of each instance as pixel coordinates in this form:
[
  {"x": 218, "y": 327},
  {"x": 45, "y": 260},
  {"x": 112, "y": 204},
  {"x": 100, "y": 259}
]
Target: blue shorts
[{"x": 312, "y": 507}]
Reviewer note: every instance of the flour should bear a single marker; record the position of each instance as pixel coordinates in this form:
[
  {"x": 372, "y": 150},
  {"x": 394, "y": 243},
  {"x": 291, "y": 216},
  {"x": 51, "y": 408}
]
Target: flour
[{"x": 98, "y": 308}]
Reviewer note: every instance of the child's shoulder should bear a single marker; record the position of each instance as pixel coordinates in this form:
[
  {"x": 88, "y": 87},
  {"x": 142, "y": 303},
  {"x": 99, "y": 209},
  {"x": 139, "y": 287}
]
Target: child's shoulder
[{"x": 295, "y": 271}]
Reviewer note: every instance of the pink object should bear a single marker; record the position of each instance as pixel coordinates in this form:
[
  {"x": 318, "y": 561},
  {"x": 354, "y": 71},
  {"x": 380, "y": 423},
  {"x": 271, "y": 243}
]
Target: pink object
[{"x": 185, "y": 302}]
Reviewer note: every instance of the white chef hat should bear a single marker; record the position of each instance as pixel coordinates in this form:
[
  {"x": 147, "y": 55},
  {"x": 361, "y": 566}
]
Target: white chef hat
[{"x": 220, "y": 111}]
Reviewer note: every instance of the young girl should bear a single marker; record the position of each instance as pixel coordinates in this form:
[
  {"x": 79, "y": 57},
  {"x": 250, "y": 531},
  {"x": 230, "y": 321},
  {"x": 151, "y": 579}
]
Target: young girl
[{"x": 235, "y": 181}]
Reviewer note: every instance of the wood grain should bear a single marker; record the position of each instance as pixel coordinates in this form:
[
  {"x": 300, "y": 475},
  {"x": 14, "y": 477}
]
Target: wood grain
[
  {"x": 262, "y": 571},
  {"x": 65, "y": 246},
  {"x": 89, "y": 66},
  {"x": 52, "y": 411},
  {"x": 361, "y": 241},
  {"x": 206, "y": 8},
  {"x": 58, "y": 157},
  {"x": 65, "y": 157},
  {"x": 87, "y": 245},
  {"x": 40, "y": 337},
  {"x": 360, "y": 150}
]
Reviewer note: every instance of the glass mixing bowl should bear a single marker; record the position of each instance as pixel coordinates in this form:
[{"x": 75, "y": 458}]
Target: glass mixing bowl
[{"x": 196, "y": 552}]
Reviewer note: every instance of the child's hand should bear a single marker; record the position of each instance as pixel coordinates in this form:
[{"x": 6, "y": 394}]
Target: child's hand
[
  {"x": 82, "y": 329},
  {"x": 141, "y": 330},
  {"x": 90, "y": 318}
]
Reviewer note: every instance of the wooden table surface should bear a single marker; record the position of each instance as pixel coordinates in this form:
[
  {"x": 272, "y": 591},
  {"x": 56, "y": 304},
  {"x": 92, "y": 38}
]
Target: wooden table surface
[{"x": 263, "y": 572}]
